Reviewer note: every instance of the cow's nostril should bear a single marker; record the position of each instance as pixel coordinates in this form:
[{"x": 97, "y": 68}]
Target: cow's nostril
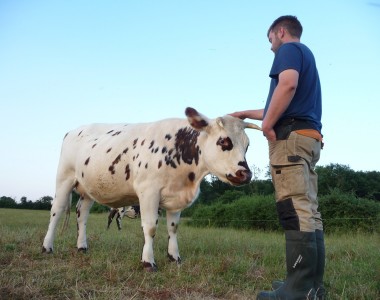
[{"x": 243, "y": 173}]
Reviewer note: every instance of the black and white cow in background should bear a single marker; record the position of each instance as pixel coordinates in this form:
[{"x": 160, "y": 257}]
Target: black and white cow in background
[
  {"x": 132, "y": 212},
  {"x": 158, "y": 164}
]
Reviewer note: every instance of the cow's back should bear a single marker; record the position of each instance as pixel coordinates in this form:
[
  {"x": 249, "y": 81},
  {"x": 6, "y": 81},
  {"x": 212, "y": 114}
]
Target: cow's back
[{"x": 107, "y": 160}]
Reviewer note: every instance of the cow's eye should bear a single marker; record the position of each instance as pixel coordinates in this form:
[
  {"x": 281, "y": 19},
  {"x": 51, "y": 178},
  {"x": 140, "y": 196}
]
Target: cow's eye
[{"x": 225, "y": 143}]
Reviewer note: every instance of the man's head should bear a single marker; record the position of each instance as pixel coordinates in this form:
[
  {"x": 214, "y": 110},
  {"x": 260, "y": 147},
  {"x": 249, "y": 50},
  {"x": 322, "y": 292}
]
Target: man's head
[{"x": 284, "y": 29}]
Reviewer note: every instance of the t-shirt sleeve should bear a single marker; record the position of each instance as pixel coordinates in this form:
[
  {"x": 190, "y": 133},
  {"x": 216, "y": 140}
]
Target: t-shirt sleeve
[{"x": 287, "y": 57}]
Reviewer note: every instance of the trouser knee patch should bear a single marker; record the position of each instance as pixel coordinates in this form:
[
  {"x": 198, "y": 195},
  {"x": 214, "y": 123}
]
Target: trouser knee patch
[{"x": 287, "y": 215}]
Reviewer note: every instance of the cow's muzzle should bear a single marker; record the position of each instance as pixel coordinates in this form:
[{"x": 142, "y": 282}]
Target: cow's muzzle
[{"x": 240, "y": 177}]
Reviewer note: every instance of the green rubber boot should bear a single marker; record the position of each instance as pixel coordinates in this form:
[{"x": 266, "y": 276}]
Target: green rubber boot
[
  {"x": 318, "y": 279},
  {"x": 301, "y": 258}
]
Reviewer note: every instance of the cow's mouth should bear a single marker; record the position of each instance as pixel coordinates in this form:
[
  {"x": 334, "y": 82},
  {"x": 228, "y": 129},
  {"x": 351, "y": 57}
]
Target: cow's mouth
[{"x": 240, "y": 177}]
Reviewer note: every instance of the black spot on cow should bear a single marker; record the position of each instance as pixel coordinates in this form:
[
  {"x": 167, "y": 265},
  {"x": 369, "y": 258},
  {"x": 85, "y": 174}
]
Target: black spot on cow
[
  {"x": 139, "y": 164},
  {"x": 109, "y": 150},
  {"x": 164, "y": 150},
  {"x": 156, "y": 150},
  {"x": 80, "y": 133},
  {"x": 109, "y": 131},
  {"x": 169, "y": 161},
  {"x": 65, "y": 135},
  {"x": 160, "y": 164},
  {"x": 173, "y": 224},
  {"x": 82, "y": 174},
  {"x": 142, "y": 143},
  {"x": 151, "y": 144},
  {"x": 116, "y": 133},
  {"x": 191, "y": 176},
  {"x": 125, "y": 150},
  {"x": 117, "y": 159},
  {"x": 127, "y": 172},
  {"x": 54, "y": 215},
  {"x": 112, "y": 169},
  {"x": 225, "y": 143},
  {"x": 87, "y": 161},
  {"x": 146, "y": 166},
  {"x": 93, "y": 146},
  {"x": 186, "y": 145},
  {"x": 134, "y": 143},
  {"x": 168, "y": 137}
]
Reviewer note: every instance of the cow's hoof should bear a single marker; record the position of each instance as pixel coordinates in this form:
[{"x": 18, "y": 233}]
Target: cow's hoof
[
  {"x": 150, "y": 267},
  {"x": 171, "y": 258},
  {"x": 83, "y": 250},
  {"x": 48, "y": 251}
]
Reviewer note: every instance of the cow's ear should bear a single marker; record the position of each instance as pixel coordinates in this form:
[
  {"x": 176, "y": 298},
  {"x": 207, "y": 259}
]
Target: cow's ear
[{"x": 196, "y": 120}]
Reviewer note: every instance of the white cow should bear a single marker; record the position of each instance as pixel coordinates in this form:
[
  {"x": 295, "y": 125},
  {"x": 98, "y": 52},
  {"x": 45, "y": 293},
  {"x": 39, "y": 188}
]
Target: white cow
[{"x": 158, "y": 164}]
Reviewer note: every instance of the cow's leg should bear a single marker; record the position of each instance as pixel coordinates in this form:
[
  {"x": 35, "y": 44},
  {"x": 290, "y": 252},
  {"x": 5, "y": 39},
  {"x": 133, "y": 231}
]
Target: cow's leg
[
  {"x": 60, "y": 204},
  {"x": 119, "y": 217},
  {"x": 111, "y": 215},
  {"x": 149, "y": 222},
  {"x": 83, "y": 210},
  {"x": 172, "y": 220}
]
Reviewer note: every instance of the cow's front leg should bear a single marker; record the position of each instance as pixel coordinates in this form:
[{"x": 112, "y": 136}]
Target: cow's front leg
[
  {"x": 149, "y": 223},
  {"x": 83, "y": 210},
  {"x": 172, "y": 222},
  {"x": 60, "y": 204}
]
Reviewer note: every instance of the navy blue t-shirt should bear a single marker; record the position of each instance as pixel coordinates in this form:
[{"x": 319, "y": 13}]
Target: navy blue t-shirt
[{"x": 307, "y": 101}]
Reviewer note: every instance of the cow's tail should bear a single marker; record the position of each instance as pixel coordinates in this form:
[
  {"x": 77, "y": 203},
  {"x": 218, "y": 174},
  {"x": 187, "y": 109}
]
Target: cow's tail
[{"x": 67, "y": 215}]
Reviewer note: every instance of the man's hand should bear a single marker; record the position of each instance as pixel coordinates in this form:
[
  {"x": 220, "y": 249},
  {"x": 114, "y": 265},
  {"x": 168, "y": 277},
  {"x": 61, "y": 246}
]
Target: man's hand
[
  {"x": 238, "y": 114},
  {"x": 270, "y": 134}
]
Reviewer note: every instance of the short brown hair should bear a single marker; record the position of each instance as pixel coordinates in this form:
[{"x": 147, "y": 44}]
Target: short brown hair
[{"x": 291, "y": 23}]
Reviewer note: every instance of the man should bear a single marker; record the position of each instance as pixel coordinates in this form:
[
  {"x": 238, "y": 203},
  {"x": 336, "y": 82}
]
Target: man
[{"x": 292, "y": 126}]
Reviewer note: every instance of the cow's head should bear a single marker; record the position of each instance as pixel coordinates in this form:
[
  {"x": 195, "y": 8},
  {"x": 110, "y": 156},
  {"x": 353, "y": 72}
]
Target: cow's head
[{"x": 224, "y": 146}]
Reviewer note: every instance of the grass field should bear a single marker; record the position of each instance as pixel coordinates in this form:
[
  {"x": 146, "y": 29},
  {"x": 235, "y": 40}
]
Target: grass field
[{"x": 217, "y": 263}]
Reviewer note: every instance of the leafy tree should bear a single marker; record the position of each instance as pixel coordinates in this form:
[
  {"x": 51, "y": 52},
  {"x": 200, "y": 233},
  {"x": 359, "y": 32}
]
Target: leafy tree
[{"x": 7, "y": 202}]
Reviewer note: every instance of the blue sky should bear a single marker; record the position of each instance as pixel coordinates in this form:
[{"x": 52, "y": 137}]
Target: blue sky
[{"x": 68, "y": 63}]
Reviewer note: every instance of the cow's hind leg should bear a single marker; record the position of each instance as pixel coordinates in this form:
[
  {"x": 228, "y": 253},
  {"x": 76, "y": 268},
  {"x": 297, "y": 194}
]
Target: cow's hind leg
[
  {"x": 119, "y": 217},
  {"x": 60, "y": 204},
  {"x": 172, "y": 220},
  {"x": 83, "y": 210},
  {"x": 111, "y": 215}
]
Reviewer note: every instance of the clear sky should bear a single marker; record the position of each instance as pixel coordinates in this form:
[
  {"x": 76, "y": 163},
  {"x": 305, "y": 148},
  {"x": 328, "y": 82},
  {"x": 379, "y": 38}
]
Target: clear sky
[{"x": 68, "y": 63}]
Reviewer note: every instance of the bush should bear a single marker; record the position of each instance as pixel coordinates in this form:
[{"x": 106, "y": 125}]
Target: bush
[
  {"x": 340, "y": 211},
  {"x": 346, "y": 212},
  {"x": 247, "y": 212}
]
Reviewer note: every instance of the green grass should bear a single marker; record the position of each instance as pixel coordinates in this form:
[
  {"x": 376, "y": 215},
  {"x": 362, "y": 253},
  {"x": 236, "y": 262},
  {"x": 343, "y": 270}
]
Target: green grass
[{"x": 217, "y": 263}]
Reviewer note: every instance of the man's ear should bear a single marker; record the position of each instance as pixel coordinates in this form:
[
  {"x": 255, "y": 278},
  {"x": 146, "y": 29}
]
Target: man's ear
[{"x": 282, "y": 32}]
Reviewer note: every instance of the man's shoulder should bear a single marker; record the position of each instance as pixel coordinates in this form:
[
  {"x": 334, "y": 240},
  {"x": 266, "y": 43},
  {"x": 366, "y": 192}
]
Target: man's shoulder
[{"x": 293, "y": 46}]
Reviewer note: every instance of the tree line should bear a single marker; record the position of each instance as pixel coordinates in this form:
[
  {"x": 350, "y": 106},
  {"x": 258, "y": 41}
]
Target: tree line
[{"x": 361, "y": 184}]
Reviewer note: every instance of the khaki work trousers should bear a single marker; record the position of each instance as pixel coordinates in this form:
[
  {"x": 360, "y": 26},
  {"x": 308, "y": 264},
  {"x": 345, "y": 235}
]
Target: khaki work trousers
[{"x": 292, "y": 164}]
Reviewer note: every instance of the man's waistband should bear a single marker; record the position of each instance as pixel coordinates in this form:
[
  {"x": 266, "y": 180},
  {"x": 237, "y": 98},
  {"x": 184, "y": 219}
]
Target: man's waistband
[{"x": 284, "y": 127}]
